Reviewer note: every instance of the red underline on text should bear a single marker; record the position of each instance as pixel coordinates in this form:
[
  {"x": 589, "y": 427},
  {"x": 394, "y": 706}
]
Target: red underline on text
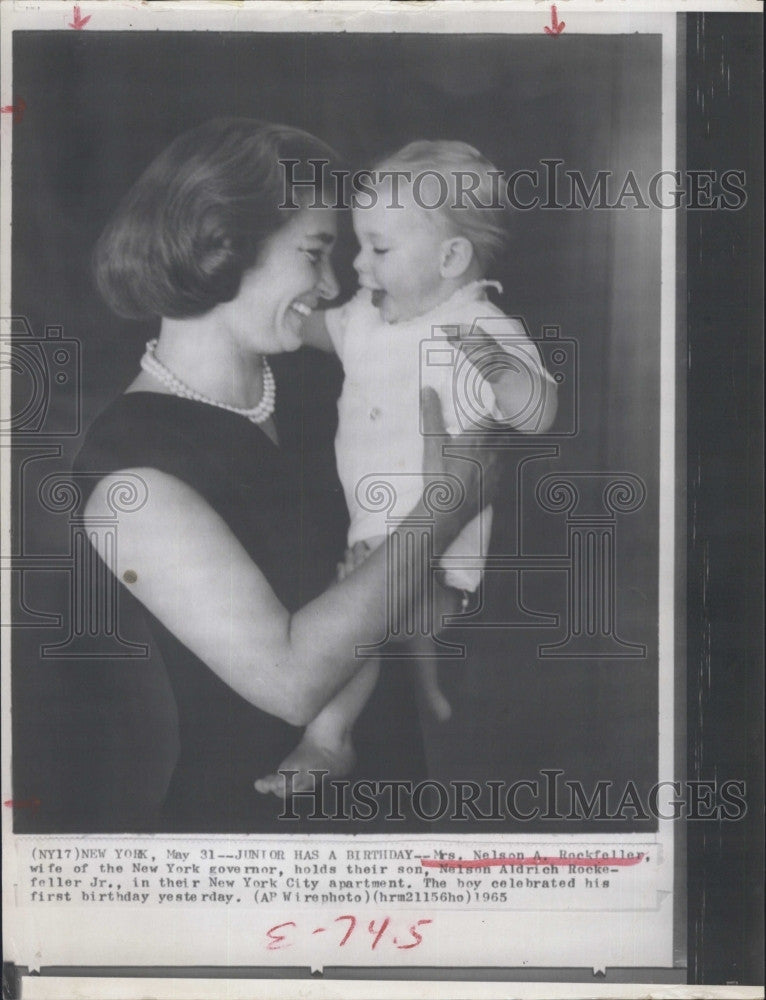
[{"x": 563, "y": 862}]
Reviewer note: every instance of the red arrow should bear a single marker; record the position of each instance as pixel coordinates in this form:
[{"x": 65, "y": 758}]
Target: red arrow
[
  {"x": 33, "y": 804},
  {"x": 556, "y": 26},
  {"x": 79, "y": 22},
  {"x": 17, "y": 109}
]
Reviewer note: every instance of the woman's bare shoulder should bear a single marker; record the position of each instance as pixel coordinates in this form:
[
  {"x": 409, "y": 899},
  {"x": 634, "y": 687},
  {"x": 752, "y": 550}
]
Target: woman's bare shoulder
[{"x": 156, "y": 493}]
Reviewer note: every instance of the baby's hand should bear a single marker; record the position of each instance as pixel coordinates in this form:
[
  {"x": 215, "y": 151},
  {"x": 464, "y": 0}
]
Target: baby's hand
[
  {"x": 353, "y": 559},
  {"x": 310, "y": 755}
]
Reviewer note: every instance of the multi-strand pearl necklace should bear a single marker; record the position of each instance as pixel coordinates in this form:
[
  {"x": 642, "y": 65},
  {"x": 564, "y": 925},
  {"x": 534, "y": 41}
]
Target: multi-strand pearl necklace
[{"x": 258, "y": 414}]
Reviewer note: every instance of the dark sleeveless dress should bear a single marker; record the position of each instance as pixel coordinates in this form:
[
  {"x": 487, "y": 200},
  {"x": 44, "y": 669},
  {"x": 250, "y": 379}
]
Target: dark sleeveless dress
[{"x": 285, "y": 506}]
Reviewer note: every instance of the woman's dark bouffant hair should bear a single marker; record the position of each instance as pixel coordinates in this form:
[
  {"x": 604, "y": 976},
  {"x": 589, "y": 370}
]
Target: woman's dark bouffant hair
[{"x": 196, "y": 219}]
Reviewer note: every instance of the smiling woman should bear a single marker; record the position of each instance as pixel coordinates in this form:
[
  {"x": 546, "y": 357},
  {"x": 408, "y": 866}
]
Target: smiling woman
[
  {"x": 230, "y": 555},
  {"x": 292, "y": 274}
]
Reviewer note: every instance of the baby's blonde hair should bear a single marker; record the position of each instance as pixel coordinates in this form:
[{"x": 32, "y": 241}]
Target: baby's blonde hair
[{"x": 476, "y": 211}]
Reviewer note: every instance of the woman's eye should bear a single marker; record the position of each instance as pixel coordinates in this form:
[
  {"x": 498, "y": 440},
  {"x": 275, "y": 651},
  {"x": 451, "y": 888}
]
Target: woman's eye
[{"x": 380, "y": 250}]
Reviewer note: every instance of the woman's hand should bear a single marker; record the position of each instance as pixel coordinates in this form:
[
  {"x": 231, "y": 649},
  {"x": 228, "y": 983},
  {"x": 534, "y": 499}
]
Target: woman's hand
[{"x": 461, "y": 472}]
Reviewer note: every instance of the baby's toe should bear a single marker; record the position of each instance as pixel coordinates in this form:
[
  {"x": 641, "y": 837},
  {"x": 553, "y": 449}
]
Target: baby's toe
[{"x": 267, "y": 784}]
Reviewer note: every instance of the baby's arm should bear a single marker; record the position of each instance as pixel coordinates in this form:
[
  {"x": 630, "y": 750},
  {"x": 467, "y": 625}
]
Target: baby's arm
[
  {"x": 326, "y": 743},
  {"x": 525, "y": 393},
  {"x": 512, "y": 393}
]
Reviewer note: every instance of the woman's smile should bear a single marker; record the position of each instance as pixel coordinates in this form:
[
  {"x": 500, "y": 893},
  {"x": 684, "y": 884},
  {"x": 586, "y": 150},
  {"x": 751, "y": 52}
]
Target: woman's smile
[
  {"x": 302, "y": 309},
  {"x": 292, "y": 274}
]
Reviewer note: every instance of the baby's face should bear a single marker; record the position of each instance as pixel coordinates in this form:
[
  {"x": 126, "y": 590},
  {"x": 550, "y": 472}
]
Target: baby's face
[{"x": 400, "y": 256}]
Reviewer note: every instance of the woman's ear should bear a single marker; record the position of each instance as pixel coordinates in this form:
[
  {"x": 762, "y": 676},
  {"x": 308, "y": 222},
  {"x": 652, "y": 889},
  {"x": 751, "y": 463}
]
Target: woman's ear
[{"x": 456, "y": 257}]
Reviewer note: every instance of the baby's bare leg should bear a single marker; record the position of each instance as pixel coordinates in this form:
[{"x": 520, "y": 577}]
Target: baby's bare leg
[
  {"x": 326, "y": 743},
  {"x": 428, "y": 679},
  {"x": 446, "y": 602}
]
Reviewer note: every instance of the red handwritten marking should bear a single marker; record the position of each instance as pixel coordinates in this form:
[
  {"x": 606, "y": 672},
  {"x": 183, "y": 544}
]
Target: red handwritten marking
[
  {"x": 78, "y": 22},
  {"x": 416, "y": 935},
  {"x": 17, "y": 110},
  {"x": 278, "y": 940},
  {"x": 33, "y": 804},
  {"x": 275, "y": 940},
  {"x": 378, "y": 934},
  {"x": 351, "y": 926},
  {"x": 489, "y": 862},
  {"x": 556, "y": 26}
]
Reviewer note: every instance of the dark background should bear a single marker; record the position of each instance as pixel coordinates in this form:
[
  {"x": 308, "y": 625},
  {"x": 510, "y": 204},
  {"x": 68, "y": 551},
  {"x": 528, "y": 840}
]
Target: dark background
[{"x": 95, "y": 739}]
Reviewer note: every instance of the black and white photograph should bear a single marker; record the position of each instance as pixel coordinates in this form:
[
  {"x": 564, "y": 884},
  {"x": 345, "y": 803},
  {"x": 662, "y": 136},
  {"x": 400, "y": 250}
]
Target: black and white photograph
[
  {"x": 246, "y": 633},
  {"x": 381, "y": 548}
]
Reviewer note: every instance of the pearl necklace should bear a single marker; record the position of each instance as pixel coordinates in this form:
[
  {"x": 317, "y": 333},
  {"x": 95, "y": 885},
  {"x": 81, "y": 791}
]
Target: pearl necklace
[{"x": 258, "y": 414}]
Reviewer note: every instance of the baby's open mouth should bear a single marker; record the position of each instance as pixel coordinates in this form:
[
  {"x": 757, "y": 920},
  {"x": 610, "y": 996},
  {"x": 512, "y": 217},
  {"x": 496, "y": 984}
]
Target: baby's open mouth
[{"x": 377, "y": 296}]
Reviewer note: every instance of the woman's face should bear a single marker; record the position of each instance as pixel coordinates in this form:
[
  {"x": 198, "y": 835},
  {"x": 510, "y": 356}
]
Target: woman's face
[{"x": 290, "y": 277}]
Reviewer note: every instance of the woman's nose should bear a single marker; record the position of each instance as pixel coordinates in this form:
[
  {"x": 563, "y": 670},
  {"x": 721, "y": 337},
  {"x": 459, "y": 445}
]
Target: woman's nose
[
  {"x": 359, "y": 262},
  {"x": 328, "y": 287}
]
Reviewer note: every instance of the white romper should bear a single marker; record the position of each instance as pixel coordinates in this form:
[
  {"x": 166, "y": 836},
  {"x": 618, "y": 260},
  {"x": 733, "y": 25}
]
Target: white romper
[{"x": 379, "y": 439}]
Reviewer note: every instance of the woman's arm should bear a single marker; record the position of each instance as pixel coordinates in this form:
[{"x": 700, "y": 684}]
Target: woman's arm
[{"x": 187, "y": 567}]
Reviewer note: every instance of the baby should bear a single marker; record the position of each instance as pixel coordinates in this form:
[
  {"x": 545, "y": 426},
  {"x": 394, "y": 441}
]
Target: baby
[{"x": 423, "y": 280}]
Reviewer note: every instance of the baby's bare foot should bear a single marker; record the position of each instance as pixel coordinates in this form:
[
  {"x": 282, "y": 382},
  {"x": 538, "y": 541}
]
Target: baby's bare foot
[
  {"x": 309, "y": 755},
  {"x": 438, "y": 704}
]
